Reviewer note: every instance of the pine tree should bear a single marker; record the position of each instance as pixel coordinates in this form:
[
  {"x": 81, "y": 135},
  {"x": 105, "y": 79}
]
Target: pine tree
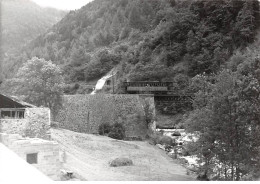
[
  {"x": 115, "y": 27},
  {"x": 135, "y": 20},
  {"x": 246, "y": 22}
]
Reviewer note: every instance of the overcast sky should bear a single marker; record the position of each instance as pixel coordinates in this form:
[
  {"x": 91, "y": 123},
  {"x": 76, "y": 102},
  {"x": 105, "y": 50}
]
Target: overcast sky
[{"x": 63, "y": 4}]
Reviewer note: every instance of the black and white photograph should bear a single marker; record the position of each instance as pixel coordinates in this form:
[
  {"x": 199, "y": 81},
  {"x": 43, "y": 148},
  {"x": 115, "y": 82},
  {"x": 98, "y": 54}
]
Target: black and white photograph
[{"x": 129, "y": 90}]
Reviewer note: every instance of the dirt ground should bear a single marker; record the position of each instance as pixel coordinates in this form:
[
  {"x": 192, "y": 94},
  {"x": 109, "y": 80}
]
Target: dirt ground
[{"x": 89, "y": 156}]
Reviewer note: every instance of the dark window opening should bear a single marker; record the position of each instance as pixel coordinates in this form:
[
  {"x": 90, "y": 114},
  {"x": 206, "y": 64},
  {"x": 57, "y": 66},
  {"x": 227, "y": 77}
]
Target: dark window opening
[
  {"x": 32, "y": 158},
  {"x": 12, "y": 114},
  {"x": 20, "y": 114},
  {"x": 108, "y": 82},
  {"x": 6, "y": 114}
]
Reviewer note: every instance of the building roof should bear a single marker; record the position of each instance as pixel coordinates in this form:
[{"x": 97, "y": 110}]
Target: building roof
[{"x": 13, "y": 102}]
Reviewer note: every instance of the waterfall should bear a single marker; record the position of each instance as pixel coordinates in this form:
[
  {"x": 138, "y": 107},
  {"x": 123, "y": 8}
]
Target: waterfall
[{"x": 101, "y": 82}]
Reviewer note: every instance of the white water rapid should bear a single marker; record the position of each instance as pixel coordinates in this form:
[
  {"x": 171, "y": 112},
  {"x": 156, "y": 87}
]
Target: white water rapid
[{"x": 101, "y": 82}]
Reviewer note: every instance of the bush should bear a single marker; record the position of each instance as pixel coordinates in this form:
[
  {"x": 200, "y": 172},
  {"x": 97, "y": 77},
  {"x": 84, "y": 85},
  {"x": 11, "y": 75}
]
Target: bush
[
  {"x": 117, "y": 131},
  {"x": 104, "y": 128},
  {"x": 121, "y": 162},
  {"x": 157, "y": 138},
  {"x": 54, "y": 124},
  {"x": 168, "y": 148},
  {"x": 203, "y": 177},
  {"x": 185, "y": 152},
  {"x": 165, "y": 140}
]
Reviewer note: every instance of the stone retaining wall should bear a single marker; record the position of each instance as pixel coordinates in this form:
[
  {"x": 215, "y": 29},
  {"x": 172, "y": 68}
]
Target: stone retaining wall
[{"x": 84, "y": 113}]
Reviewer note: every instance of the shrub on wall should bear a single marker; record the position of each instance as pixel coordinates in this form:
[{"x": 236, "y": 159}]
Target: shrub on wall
[
  {"x": 117, "y": 131},
  {"x": 148, "y": 110},
  {"x": 104, "y": 129}
]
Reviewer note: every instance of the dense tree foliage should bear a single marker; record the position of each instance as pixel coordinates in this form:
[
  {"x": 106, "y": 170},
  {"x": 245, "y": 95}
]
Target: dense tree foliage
[
  {"x": 227, "y": 118},
  {"x": 147, "y": 40},
  {"x": 39, "y": 82}
]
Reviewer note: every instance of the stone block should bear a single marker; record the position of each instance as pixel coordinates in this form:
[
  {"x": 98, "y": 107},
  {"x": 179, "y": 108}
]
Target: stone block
[{"x": 48, "y": 161}]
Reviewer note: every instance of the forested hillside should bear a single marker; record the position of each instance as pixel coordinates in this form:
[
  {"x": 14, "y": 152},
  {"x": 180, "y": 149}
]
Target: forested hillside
[
  {"x": 209, "y": 49},
  {"x": 22, "y": 21},
  {"x": 165, "y": 40}
]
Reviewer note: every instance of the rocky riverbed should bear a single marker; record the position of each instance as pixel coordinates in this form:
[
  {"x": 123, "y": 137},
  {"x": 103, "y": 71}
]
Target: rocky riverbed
[{"x": 179, "y": 151}]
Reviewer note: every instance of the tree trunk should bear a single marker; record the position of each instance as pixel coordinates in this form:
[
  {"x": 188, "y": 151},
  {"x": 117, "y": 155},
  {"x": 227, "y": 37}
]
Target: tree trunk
[
  {"x": 225, "y": 171},
  {"x": 237, "y": 173},
  {"x": 232, "y": 171}
]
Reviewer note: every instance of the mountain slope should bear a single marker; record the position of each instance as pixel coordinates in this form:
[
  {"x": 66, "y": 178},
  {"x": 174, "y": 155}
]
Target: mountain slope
[
  {"x": 146, "y": 40},
  {"x": 23, "y": 20}
]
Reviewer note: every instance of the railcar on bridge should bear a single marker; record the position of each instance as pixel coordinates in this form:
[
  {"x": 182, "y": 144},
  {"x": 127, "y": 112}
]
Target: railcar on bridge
[
  {"x": 140, "y": 87},
  {"x": 164, "y": 94}
]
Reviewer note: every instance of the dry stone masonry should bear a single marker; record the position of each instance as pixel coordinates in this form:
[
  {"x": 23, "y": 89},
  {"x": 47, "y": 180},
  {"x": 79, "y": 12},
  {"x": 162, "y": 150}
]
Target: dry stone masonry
[
  {"x": 84, "y": 113},
  {"x": 36, "y": 123},
  {"x": 42, "y": 154}
]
